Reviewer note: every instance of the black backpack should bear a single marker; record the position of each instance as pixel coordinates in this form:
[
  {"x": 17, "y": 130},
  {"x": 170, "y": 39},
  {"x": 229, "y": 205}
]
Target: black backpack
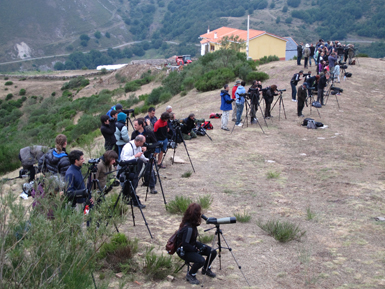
[
  {"x": 306, "y": 120},
  {"x": 348, "y": 74}
]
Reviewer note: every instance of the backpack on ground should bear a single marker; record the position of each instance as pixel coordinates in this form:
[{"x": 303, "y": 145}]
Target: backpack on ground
[
  {"x": 305, "y": 121},
  {"x": 319, "y": 124},
  {"x": 199, "y": 131},
  {"x": 207, "y": 125},
  {"x": 171, "y": 245},
  {"x": 316, "y": 104},
  {"x": 215, "y": 115},
  {"x": 311, "y": 124},
  {"x": 348, "y": 74}
]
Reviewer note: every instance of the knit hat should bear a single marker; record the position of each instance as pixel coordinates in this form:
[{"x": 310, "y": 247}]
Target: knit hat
[
  {"x": 238, "y": 82},
  {"x": 118, "y": 106},
  {"x": 122, "y": 117}
]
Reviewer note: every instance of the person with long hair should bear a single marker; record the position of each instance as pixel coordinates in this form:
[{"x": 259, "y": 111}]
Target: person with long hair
[{"x": 190, "y": 250}]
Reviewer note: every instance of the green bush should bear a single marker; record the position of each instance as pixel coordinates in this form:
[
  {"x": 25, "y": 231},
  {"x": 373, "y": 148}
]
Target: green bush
[
  {"x": 187, "y": 174},
  {"x": 9, "y": 96},
  {"x": 243, "y": 217},
  {"x": 78, "y": 82},
  {"x": 173, "y": 82},
  {"x": 23, "y": 78},
  {"x": 205, "y": 201},
  {"x": 22, "y": 91},
  {"x": 53, "y": 93},
  {"x": 6, "y": 78},
  {"x": 66, "y": 93},
  {"x": 214, "y": 79},
  {"x": 282, "y": 231},
  {"x": 154, "y": 96},
  {"x": 131, "y": 86},
  {"x": 188, "y": 83},
  {"x": 257, "y": 75},
  {"x": 158, "y": 267},
  {"x": 165, "y": 96},
  {"x": 179, "y": 205},
  {"x": 362, "y": 55},
  {"x": 8, "y": 83}
]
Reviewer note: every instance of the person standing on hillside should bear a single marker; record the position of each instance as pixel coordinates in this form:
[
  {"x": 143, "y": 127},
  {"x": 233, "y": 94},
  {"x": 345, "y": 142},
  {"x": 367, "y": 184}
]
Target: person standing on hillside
[
  {"x": 301, "y": 99},
  {"x": 234, "y": 89},
  {"x": 240, "y": 102},
  {"x": 299, "y": 53},
  {"x": 321, "y": 87},
  {"x": 269, "y": 98},
  {"x": 312, "y": 49},
  {"x": 293, "y": 82},
  {"x": 226, "y": 107},
  {"x": 306, "y": 55},
  {"x": 121, "y": 132},
  {"x": 108, "y": 131}
]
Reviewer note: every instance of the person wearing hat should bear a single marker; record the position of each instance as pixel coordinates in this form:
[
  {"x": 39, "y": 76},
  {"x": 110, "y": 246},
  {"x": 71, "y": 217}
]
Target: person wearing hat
[
  {"x": 306, "y": 54},
  {"x": 293, "y": 82},
  {"x": 302, "y": 94},
  {"x": 234, "y": 89},
  {"x": 118, "y": 107},
  {"x": 121, "y": 132}
]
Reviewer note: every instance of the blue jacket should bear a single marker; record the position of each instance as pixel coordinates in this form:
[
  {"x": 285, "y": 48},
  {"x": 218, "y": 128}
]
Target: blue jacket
[
  {"x": 240, "y": 99},
  {"x": 74, "y": 180},
  {"x": 225, "y": 100}
]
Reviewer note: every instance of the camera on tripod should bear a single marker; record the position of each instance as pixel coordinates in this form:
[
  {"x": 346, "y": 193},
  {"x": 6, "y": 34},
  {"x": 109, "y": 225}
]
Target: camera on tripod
[
  {"x": 151, "y": 147},
  {"x": 128, "y": 111},
  {"x": 94, "y": 161},
  {"x": 245, "y": 95},
  {"x": 282, "y": 90},
  {"x": 215, "y": 221}
]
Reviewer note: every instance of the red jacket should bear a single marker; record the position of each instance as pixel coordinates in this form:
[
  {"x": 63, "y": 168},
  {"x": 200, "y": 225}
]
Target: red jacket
[{"x": 233, "y": 91}]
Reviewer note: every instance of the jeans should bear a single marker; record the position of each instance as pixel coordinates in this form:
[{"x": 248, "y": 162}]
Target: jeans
[
  {"x": 306, "y": 59},
  {"x": 239, "y": 112},
  {"x": 225, "y": 118},
  {"x": 299, "y": 57},
  {"x": 310, "y": 60},
  {"x": 293, "y": 90},
  {"x": 197, "y": 259},
  {"x": 234, "y": 116}
]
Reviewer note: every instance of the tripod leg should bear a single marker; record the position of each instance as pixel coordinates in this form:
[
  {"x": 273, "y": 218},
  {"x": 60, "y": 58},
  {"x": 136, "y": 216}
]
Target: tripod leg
[
  {"x": 233, "y": 128},
  {"x": 184, "y": 143},
  {"x": 260, "y": 126},
  {"x": 337, "y": 102},
  {"x": 160, "y": 183},
  {"x": 271, "y": 109},
  {"x": 247, "y": 111},
  {"x": 262, "y": 114},
  {"x": 141, "y": 211},
  {"x": 283, "y": 107},
  {"x": 208, "y": 136}
]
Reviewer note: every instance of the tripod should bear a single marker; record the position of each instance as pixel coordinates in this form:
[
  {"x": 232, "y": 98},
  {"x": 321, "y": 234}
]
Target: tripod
[
  {"x": 333, "y": 93},
  {"x": 218, "y": 233},
  {"x": 129, "y": 195},
  {"x": 248, "y": 107},
  {"x": 149, "y": 167},
  {"x": 311, "y": 98},
  {"x": 280, "y": 99},
  {"x": 178, "y": 136}
]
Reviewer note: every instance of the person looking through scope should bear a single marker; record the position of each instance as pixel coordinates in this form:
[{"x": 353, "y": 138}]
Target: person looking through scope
[
  {"x": 133, "y": 150},
  {"x": 188, "y": 124},
  {"x": 269, "y": 98},
  {"x": 161, "y": 129},
  {"x": 118, "y": 107},
  {"x": 108, "y": 159},
  {"x": 189, "y": 249},
  {"x": 121, "y": 132},
  {"x": 139, "y": 126},
  {"x": 254, "y": 92},
  {"x": 108, "y": 131}
]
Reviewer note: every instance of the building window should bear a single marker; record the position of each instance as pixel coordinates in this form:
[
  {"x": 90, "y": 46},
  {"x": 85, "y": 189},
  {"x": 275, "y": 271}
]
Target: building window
[{"x": 212, "y": 47}]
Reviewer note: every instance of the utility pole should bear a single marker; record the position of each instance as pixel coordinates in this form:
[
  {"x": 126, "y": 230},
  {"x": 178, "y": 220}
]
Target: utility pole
[{"x": 247, "y": 42}]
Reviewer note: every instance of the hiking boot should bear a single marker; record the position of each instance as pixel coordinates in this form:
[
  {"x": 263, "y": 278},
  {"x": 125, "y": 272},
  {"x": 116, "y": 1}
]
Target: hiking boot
[
  {"x": 192, "y": 278},
  {"x": 153, "y": 191},
  {"x": 209, "y": 273},
  {"x": 226, "y": 129}
]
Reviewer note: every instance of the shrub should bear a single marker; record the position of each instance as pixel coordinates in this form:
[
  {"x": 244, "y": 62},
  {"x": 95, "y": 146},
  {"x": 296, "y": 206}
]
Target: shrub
[
  {"x": 6, "y": 78},
  {"x": 183, "y": 93},
  {"x": 8, "y": 83},
  {"x": 9, "y": 96},
  {"x": 188, "y": 83},
  {"x": 187, "y": 174},
  {"x": 309, "y": 214},
  {"x": 362, "y": 55},
  {"x": 66, "y": 93},
  {"x": 282, "y": 231},
  {"x": 273, "y": 175},
  {"x": 98, "y": 35},
  {"x": 206, "y": 239},
  {"x": 288, "y": 20},
  {"x": 23, "y": 78},
  {"x": 214, "y": 79},
  {"x": 131, "y": 86},
  {"x": 158, "y": 267},
  {"x": 284, "y": 9},
  {"x": 179, "y": 205},
  {"x": 243, "y": 218},
  {"x": 120, "y": 78},
  {"x": 22, "y": 91},
  {"x": 154, "y": 96},
  {"x": 255, "y": 75},
  {"x": 293, "y": 3},
  {"x": 78, "y": 82},
  {"x": 53, "y": 93},
  {"x": 205, "y": 201},
  {"x": 165, "y": 96},
  {"x": 173, "y": 82}
]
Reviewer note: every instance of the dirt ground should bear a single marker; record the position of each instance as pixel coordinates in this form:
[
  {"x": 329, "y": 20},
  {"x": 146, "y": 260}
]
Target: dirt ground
[{"x": 337, "y": 173}]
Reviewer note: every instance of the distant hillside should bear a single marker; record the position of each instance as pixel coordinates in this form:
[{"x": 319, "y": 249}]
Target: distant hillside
[{"x": 37, "y": 28}]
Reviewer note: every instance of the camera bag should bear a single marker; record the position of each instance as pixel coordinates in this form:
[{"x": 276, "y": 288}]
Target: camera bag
[
  {"x": 215, "y": 115},
  {"x": 316, "y": 104},
  {"x": 311, "y": 124},
  {"x": 171, "y": 245},
  {"x": 207, "y": 125},
  {"x": 348, "y": 74},
  {"x": 305, "y": 121}
]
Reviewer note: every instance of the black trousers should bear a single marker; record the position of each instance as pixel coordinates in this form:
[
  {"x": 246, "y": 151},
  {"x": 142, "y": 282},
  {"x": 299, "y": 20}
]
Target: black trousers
[
  {"x": 31, "y": 170},
  {"x": 300, "y": 106},
  {"x": 320, "y": 97},
  {"x": 197, "y": 258},
  {"x": 267, "y": 109}
]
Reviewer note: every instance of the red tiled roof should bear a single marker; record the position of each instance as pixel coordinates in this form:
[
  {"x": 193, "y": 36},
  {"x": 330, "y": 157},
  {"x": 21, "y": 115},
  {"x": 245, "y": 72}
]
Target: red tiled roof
[{"x": 227, "y": 31}]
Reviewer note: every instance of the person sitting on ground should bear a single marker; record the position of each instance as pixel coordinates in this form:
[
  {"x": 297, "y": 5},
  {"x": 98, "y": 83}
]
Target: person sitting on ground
[
  {"x": 161, "y": 129},
  {"x": 150, "y": 118},
  {"x": 226, "y": 107},
  {"x": 117, "y": 107},
  {"x": 121, "y": 132},
  {"x": 108, "y": 132},
  {"x": 56, "y": 160},
  {"x": 190, "y": 250},
  {"x": 187, "y": 129},
  {"x": 108, "y": 159}
]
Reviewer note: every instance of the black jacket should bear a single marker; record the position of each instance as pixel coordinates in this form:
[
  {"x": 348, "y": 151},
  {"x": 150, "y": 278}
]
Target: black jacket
[
  {"x": 302, "y": 93},
  {"x": 187, "y": 237},
  {"x": 269, "y": 96},
  {"x": 254, "y": 94},
  {"x": 322, "y": 82},
  {"x": 54, "y": 163},
  {"x": 108, "y": 132},
  {"x": 189, "y": 124}
]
